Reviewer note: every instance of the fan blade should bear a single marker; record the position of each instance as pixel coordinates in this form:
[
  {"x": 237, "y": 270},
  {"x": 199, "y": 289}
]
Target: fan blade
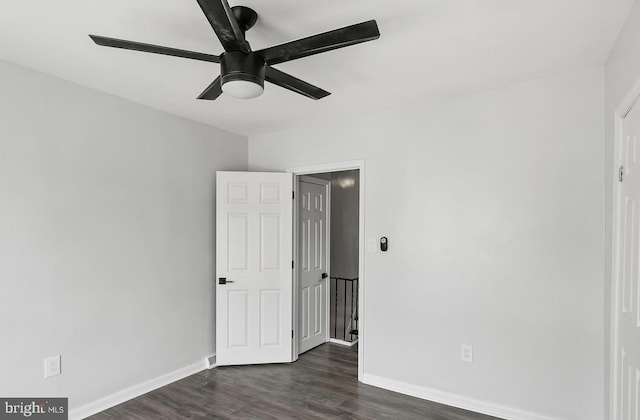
[
  {"x": 212, "y": 91},
  {"x": 224, "y": 23},
  {"x": 338, "y": 38},
  {"x": 294, "y": 84},
  {"x": 155, "y": 49}
]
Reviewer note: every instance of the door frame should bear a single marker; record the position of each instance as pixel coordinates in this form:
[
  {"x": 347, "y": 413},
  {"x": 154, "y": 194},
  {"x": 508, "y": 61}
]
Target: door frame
[
  {"x": 624, "y": 108},
  {"x": 334, "y": 167},
  {"x": 327, "y": 252}
]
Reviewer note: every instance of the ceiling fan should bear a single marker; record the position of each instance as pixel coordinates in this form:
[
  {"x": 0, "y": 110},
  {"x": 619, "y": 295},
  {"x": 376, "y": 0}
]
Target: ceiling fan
[{"x": 243, "y": 71}]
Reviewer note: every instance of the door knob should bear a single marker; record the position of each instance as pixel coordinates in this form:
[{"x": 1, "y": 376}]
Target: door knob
[
  {"x": 223, "y": 280},
  {"x": 325, "y": 275}
]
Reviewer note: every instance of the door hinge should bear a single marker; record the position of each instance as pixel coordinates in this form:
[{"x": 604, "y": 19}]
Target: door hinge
[
  {"x": 291, "y": 333},
  {"x": 293, "y": 195},
  {"x": 620, "y": 173},
  {"x": 292, "y": 264}
]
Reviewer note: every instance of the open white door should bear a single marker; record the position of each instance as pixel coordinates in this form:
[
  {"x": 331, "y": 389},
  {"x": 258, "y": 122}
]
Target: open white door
[
  {"x": 626, "y": 311},
  {"x": 254, "y": 220},
  {"x": 313, "y": 248}
]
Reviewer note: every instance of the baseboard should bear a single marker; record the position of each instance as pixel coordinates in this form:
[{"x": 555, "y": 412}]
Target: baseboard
[
  {"x": 342, "y": 342},
  {"x": 479, "y": 406},
  {"x": 135, "y": 391}
]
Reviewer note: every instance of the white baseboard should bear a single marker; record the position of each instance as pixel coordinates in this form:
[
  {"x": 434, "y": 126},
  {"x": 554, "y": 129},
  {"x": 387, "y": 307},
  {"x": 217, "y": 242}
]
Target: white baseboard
[
  {"x": 479, "y": 406},
  {"x": 342, "y": 342},
  {"x": 135, "y": 391}
]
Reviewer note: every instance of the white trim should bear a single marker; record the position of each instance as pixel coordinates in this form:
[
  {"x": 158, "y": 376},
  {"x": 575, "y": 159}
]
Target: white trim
[
  {"x": 613, "y": 353},
  {"x": 327, "y": 167},
  {"x": 136, "y": 390},
  {"x": 327, "y": 250},
  {"x": 295, "y": 351},
  {"x": 454, "y": 400},
  {"x": 343, "y": 343},
  {"x": 335, "y": 167}
]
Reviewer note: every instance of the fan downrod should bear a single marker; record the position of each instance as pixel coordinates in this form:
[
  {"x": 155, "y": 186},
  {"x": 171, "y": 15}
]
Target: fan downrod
[{"x": 246, "y": 17}]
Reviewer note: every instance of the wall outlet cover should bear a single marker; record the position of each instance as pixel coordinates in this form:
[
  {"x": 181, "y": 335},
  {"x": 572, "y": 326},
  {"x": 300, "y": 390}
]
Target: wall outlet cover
[
  {"x": 466, "y": 353},
  {"x": 52, "y": 366}
]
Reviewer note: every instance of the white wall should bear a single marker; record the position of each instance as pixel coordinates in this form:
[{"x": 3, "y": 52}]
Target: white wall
[
  {"x": 106, "y": 238},
  {"x": 621, "y": 73},
  {"x": 493, "y": 208}
]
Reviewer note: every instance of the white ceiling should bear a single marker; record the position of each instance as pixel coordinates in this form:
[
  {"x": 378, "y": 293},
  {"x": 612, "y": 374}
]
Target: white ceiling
[{"x": 427, "y": 48}]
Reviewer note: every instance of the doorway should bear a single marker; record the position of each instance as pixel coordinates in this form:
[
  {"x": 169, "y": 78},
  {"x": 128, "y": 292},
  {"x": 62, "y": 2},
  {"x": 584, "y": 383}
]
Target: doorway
[{"x": 334, "y": 291}]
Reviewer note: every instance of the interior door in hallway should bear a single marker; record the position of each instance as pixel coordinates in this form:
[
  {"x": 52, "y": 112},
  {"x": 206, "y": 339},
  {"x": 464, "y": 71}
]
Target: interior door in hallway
[
  {"x": 254, "y": 250},
  {"x": 313, "y": 246},
  {"x": 626, "y": 313}
]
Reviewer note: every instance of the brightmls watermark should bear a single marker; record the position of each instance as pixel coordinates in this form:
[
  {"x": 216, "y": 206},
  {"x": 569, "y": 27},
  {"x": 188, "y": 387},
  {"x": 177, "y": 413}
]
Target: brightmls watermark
[{"x": 34, "y": 408}]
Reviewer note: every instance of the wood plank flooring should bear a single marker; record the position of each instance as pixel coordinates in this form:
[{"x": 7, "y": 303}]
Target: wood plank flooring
[{"x": 321, "y": 384}]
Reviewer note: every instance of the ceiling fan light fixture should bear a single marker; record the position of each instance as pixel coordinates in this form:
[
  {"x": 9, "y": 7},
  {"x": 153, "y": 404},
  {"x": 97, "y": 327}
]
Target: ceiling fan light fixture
[
  {"x": 242, "y": 89},
  {"x": 242, "y": 74}
]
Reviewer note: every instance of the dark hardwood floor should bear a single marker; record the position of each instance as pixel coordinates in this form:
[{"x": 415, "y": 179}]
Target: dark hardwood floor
[{"x": 321, "y": 384}]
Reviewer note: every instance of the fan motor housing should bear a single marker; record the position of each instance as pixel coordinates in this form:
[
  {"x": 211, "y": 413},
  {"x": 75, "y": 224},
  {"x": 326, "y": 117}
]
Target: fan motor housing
[{"x": 236, "y": 65}]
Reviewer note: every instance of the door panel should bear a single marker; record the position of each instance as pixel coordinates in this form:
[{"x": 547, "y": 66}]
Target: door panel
[
  {"x": 270, "y": 317},
  {"x": 304, "y": 314},
  {"x": 269, "y": 242},
  {"x": 313, "y": 243},
  {"x": 254, "y": 218},
  {"x": 627, "y": 291},
  {"x": 318, "y": 292},
  {"x": 237, "y": 243},
  {"x": 238, "y": 313}
]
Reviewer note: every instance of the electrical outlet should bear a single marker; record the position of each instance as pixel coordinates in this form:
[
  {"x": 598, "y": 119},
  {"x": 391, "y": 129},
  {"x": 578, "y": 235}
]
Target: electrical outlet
[
  {"x": 466, "y": 353},
  {"x": 52, "y": 366}
]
